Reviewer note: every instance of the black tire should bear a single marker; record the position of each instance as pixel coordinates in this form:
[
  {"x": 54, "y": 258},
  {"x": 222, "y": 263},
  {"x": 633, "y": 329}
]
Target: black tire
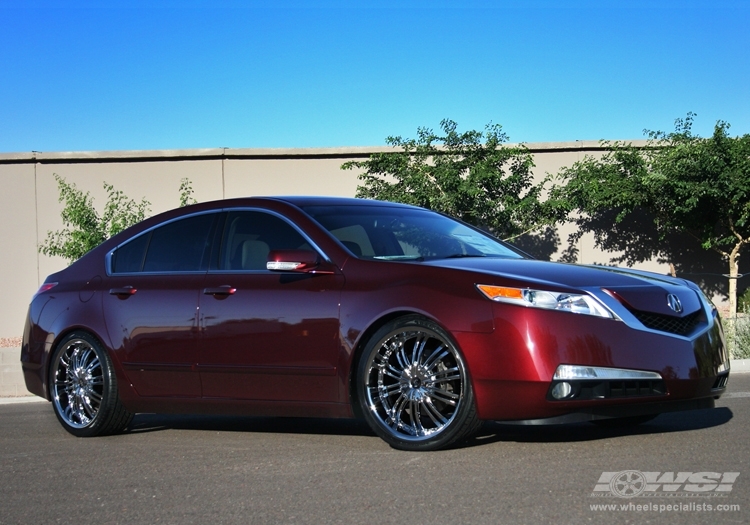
[
  {"x": 83, "y": 386},
  {"x": 624, "y": 422},
  {"x": 413, "y": 386}
]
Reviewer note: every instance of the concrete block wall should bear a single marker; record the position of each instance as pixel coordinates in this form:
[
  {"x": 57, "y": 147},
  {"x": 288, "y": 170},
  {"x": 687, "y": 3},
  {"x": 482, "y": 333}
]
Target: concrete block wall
[
  {"x": 11, "y": 377},
  {"x": 30, "y": 207}
]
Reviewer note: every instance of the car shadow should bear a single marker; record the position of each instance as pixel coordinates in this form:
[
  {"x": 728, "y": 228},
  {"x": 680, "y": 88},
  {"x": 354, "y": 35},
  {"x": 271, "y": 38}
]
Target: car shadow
[
  {"x": 496, "y": 431},
  {"x": 490, "y": 432}
]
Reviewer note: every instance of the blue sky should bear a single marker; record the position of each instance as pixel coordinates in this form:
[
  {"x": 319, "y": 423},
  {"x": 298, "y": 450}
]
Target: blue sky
[{"x": 98, "y": 75}]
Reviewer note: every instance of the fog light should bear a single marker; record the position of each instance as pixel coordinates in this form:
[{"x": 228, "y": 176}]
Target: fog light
[
  {"x": 600, "y": 372},
  {"x": 561, "y": 390}
]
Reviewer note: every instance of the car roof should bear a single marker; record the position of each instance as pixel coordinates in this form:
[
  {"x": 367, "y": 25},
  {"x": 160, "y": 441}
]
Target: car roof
[{"x": 306, "y": 200}]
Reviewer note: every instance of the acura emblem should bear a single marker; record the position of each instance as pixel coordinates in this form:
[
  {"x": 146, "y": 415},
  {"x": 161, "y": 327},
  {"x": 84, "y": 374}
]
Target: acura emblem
[{"x": 674, "y": 303}]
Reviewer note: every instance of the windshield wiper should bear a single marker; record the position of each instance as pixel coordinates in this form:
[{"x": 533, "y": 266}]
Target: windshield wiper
[
  {"x": 462, "y": 255},
  {"x": 399, "y": 258}
]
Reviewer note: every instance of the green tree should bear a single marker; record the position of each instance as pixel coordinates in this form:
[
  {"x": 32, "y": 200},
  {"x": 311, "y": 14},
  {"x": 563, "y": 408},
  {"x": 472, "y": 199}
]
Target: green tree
[
  {"x": 653, "y": 201},
  {"x": 468, "y": 175},
  {"x": 84, "y": 229}
]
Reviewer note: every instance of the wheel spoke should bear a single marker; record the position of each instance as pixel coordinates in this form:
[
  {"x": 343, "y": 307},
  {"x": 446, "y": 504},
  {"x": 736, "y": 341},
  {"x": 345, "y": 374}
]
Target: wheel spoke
[
  {"x": 434, "y": 413},
  {"x": 91, "y": 407},
  {"x": 69, "y": 414},
  {"x": 416, "y": 418},
  {"x": 397, "y": 410},
  {"x": 419, "y": 345},
  {"x": 65, "y": 361},
  {"x": 391, "y": 372},
  {"x": 449, "y": 374},
  {"x": 95, "y": 396},
  {"x": 444, "y": 396},
  {"x": 385, "y": 366},
  {"x": 403, "y": 360},
  {"x": 438, "y": 354},
  {"x": 93, "y": 366},
  {"x": 374, "y": 397},
  {"x": 83, "y": 357},
  {"x": 76, "y": 358},
  {"x": 389, "y": 389}
]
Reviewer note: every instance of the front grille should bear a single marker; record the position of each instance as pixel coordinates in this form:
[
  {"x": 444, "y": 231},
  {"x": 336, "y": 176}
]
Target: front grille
[
  {"x": 632, "y": 388},
  {"x": 721, "y": 382},
  {"x": 668, "y": 323},
  {"x": 611, "y": 389}
]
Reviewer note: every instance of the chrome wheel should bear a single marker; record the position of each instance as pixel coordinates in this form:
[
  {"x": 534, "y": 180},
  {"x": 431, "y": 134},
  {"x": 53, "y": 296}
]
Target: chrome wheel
[
  {"x": 83, "y": 386},
  {"x": 78, "y": 384},
  {"x": 416, "y": 393}
]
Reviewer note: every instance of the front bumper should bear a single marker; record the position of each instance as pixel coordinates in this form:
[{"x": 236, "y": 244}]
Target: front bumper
[{"x": 512, "y": 368}]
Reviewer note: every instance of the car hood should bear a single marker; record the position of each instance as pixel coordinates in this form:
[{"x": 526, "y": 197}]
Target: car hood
[{"x": 635, "y": 289}]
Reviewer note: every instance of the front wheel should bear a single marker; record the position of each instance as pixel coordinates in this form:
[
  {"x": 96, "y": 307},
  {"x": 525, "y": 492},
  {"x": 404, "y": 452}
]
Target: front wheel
[
  {"x": 413, "y": 386},
  {"x": 84, "y": 388}
]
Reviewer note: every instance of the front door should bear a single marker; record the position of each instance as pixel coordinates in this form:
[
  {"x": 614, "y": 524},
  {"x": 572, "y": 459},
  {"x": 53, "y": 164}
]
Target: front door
[{"x": 266, "y": 335}]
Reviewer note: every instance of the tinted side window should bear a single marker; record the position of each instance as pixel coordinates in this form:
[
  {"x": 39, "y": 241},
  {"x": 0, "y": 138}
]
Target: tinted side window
[
  {"x": 250, "y": 235},
  {"x": 180, "y": 246},
  {"x": 129, "y": 257}
]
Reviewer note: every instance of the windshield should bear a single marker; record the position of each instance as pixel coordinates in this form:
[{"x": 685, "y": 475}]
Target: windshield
[{"x": 379, "y": 232}]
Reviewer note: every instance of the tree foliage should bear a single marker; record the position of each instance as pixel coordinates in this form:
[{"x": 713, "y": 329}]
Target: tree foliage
[
  {"x": 679, "y": 194},
  {"x": 186, "y": 193},
  {"x": 467, "y": 175},
  {"x": 84, "y": 229}
]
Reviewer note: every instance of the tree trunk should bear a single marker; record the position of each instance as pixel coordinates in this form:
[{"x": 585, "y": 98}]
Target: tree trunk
[
  {"x": 731, "y": 324},
  {"x": 733, "y": 275}
]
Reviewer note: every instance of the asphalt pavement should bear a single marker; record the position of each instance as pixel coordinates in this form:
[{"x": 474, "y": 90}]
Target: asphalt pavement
[{"x": 187, "y": 469}]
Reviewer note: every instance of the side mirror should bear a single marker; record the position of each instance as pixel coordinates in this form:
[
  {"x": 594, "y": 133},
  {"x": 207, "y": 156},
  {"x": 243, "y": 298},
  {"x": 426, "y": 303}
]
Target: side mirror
[{"x": 298, "y": 261}]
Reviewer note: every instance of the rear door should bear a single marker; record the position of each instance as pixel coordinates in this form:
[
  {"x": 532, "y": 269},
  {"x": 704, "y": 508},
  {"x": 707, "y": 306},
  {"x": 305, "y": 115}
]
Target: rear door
[{"x": 152, "y": 305}]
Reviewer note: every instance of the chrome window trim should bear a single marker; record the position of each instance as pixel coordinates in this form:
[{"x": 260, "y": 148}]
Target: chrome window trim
[{"x": 108, "y": 257}]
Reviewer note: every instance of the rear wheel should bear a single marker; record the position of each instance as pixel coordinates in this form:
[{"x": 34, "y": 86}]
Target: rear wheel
[
  {"x": 84, "y": 388},
  {"x": 413, "y": 386}
]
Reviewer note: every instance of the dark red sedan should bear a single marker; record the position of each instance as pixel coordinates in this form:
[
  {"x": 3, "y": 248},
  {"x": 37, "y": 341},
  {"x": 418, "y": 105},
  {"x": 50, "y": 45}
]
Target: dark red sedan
[{"x": 311, "y": 306}]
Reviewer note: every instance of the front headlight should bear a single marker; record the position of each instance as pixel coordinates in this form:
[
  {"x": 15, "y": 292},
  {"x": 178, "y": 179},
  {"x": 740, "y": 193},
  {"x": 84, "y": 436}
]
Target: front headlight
[{"x": 565, "y": 302}]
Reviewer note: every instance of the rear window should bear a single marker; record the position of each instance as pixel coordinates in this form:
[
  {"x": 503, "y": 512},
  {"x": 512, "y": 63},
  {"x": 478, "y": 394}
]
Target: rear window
[{"x": 179, "y": 246}]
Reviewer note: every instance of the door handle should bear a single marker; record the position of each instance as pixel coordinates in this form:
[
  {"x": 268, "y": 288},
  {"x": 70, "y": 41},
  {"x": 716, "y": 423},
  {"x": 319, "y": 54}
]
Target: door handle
[
  {"x": 124, "y": 291},
  {"x": 220, "y": 290}
]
